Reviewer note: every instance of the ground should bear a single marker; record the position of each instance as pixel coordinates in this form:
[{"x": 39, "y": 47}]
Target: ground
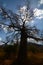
[{"x": 8, "y": 54}]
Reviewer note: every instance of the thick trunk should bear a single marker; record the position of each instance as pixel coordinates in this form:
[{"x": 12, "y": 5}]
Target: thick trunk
[{"x": 22, "y": 54}]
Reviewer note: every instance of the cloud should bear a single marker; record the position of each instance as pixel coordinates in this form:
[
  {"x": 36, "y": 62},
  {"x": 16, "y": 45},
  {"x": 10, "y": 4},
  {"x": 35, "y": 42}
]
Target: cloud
[
  {"x": 31, "y": 40},
  {"x": 41, "y": 1},
  {"x": 5, "y": 30},
  {"x": 40, "y": 5},
  {"x": 38, "y": 13},
  {"x": 0, "y": 38}
]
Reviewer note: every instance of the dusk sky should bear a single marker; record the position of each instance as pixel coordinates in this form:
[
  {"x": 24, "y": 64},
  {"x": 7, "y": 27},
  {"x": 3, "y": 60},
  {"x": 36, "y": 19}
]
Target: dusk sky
[{"x": 35, "y": 5}]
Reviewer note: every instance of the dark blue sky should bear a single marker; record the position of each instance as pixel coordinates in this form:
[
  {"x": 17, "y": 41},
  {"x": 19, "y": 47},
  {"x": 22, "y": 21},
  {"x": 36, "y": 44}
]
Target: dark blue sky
[{"x": 11, "y": 4}]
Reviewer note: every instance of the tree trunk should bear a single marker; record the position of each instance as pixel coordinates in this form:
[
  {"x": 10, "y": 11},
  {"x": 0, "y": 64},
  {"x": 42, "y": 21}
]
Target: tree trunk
[{"x": 22, "y": 54}]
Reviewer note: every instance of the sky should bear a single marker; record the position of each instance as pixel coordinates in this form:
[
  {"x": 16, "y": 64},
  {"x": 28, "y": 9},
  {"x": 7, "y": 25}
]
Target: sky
[{"x": 36, "y": 5}]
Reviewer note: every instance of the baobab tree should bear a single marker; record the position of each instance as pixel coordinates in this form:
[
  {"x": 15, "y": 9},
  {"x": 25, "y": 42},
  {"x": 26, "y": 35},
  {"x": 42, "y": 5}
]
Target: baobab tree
[{"x": 16, "y": 26}]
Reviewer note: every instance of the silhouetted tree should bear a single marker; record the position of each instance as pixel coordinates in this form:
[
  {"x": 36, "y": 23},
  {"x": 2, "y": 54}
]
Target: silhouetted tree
[{"x": 17, "y": 26}]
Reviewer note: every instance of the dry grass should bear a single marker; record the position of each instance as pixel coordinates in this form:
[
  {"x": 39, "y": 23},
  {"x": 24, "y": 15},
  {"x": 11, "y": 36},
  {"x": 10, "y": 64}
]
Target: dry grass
[
  {"x": 32, "y": 58},
  {"x": 36, "y": 58}
]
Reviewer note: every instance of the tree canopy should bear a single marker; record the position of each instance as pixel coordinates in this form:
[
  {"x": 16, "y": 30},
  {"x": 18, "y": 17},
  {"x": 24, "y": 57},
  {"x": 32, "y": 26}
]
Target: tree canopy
[{"x": 14, "y": 23}]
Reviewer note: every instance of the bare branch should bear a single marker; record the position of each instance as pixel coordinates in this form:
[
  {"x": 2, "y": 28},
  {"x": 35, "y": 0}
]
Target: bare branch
[
  {"x": 14, "y": 16},
  {"x": 36, "y": 38},
  {"x": 4, "y": 42}
]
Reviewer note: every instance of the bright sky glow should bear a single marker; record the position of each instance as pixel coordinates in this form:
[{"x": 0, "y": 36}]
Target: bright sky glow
[
  {"x": 23, "y": 9},
  {"x": 0, "y": 38},
  {"x": 25, "y": 14}
]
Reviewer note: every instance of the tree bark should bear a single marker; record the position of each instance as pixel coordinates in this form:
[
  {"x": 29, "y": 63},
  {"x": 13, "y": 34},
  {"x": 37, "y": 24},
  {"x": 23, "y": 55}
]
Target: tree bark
[{"x": 22, "y": 54}]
